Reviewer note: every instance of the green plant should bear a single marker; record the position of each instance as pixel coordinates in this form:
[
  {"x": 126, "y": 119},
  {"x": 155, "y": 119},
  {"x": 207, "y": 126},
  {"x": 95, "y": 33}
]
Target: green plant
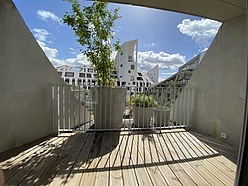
[
  {"x": 142, "y": 100},
  {"x": 93, "y": 25}
]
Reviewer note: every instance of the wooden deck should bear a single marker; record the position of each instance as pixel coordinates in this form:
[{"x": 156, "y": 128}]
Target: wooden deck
[{"x": 169, "y": 157}]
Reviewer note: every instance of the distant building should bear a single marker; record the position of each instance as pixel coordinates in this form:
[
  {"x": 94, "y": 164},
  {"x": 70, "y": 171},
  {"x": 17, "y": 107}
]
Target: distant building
[
  {"x": 184, "y": 73},
  {"x": 126, "y": 73}
]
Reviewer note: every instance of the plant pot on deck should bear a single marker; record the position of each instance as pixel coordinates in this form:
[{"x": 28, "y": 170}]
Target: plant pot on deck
[
  {"x": 161, "y": 117},
  {"x": 142, "y": 117},
  {"x": 108, "y": 107}
]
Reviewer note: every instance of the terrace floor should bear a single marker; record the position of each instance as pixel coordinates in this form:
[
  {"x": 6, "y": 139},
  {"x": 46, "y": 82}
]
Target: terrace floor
[{"x": 167, "y": 157}]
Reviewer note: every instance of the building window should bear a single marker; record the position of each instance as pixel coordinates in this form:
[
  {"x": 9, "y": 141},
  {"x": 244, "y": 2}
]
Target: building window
[
  {"x": 131, "y": 78},
  {"x": 132, "y": 67},
  {"x": 121, "y": 65},
  {"x": 130, "y": 58},
  {"x": 140, "y": 78},
  {"x": 133, "y": 83},
  {"x": 67, "y": 80},
  {"x": 60, "y": 73},
  {"x": 139, "y": 74},
  {"x": 79, "y": 82},
  {"x": 81, "y": 74},
  {"x": 120, "y": 76},
  {"x": 90, "y": 70},
  {"x": 69, "y": 74},
  {"x": 88, "y": 75},
  {"x": 129, "y": 71}
]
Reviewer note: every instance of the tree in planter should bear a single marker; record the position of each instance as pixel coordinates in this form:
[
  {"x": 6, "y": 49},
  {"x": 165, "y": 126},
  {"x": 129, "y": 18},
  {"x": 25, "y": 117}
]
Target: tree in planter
[{"x": 93, "y": 26}]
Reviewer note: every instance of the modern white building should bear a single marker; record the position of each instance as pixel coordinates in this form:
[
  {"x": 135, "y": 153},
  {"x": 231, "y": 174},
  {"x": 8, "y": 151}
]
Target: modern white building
[{"x": 126, "y": 73}]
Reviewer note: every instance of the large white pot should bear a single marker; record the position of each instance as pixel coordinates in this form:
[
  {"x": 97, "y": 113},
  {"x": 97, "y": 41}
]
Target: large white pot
[
  {"x": 161, "y": 117},
  {"x": 142, "y": 117},
  {"x": 108, "y": 106}
]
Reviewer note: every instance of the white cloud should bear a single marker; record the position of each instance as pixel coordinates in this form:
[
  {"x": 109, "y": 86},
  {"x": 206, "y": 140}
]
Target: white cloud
[
  {"x": 201, "y": 31},
  {"x": 79, "y": 60},
  {"x": 147, "y": 60},
  {"x": 40, "y": 34},
  {"x": 46, "y": 15}
]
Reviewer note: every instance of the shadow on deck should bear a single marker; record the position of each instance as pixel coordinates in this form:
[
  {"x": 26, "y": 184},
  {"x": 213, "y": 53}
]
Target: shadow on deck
[{"x": 167, "y": 157}]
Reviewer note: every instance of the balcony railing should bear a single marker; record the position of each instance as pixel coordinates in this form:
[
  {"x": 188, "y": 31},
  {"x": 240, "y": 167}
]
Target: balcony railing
[{"x": 73, "y": 109}]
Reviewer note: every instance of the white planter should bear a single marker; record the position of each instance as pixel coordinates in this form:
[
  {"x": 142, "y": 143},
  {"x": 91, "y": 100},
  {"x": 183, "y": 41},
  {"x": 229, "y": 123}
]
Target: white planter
[
  {"x": 161, "y": 117},
  {"x": 142, "y": 117},
  {"x": 108, "y": 107}
]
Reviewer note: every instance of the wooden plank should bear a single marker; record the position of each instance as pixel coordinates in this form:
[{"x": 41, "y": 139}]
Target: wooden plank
[
  {"x": 201, "y": 145},
  {"x": 24, "y": 168},
  {"x": 25, "y": 155},
  {"x": 169, "y": 175},
  {"x": 128, "y": 172},
  {"x": 183, "y": 177},
  {"x": 213, "y": 160},
  {"x": 116, "y": 177},
  {"x": 143, "y": 177},
  {"x": 81, "y": 162},
  {"x": 223, "y": 160},
  {"x": 185, "y": 164},
  {"x": 102, "y": 177},
  {"x": 222, "y": 177},
  {"x": 57, "y": 160},
  {"x": 146, "y": 156},
  {"x": 42, "y": 166},
  {"x": 89, "y": 175},
  {"x": 197, "y": 165},
  {"x": 68, "y": 164}
]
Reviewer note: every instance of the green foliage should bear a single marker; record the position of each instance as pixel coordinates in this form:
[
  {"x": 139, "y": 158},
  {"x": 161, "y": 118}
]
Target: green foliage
[
  {"x": 142, "y": 100},
  {"x": 93, "y": 26}
]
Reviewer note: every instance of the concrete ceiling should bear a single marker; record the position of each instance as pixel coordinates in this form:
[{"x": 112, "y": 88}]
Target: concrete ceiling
[{"x": 221, "y": 10}]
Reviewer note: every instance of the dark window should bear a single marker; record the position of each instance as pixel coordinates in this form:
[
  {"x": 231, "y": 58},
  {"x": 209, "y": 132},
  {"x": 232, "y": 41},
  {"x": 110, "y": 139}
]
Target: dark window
[
  {"x": 139, "y": 74},
  {"x": 132, "y": 67},
  {"x": 129, "y": 71},
  {"x": 90, "y": 70},
  {"x": 88, "y": 75},
  {"x": 121, "y": 65},
  {"x": 140, "y": 78},
  {"x": 79, "y": 81},
  {"x": 81, "y": 74},
  {"x": 130, "y": 58},
  {"x": 69, "y": 74},
  {"x": 60, "y": 73},
  {"x": 67, "y": 80}
]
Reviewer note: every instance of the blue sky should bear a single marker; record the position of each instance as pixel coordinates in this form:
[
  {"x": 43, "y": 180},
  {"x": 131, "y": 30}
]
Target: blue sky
[{"x": 166, "y": 38}]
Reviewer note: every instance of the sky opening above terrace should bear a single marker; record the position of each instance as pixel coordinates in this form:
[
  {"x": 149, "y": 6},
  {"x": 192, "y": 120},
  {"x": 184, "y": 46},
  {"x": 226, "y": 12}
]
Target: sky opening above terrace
[{"x": 166, "y": 38}]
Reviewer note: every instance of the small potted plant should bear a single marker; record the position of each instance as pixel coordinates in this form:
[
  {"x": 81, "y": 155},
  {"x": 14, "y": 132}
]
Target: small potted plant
[
  {"x": 162, "y": 109},
  {"x": 93, "y": 25},
  {"x": 162, "y": 114},
  {"x": 143, "y": 109}
]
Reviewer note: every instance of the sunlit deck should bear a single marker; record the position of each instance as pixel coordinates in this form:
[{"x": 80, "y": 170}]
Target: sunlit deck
[{"x": 169, "y": 157}]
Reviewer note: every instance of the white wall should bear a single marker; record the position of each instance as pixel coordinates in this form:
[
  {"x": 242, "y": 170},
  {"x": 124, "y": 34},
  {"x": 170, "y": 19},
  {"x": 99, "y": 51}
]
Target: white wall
[
  {"x": 218, "y": 79},
  {"x": 26, "y": 77}
]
